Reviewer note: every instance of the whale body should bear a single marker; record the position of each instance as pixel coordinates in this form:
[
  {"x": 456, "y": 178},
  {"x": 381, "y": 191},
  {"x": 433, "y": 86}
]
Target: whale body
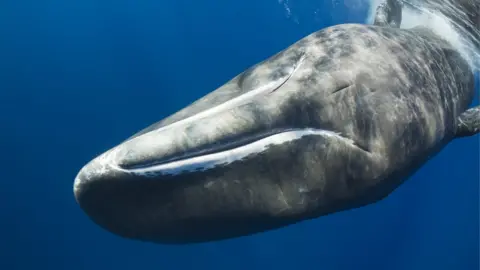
[{"x": 336, "y": 121}]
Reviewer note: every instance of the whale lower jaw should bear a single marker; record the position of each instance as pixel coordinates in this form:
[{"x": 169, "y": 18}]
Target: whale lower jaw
[{"x": 225, "y": 157}]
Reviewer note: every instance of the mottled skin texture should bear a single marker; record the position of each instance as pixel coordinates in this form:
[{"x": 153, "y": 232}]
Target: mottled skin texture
[{"x": 397, "y": 94}]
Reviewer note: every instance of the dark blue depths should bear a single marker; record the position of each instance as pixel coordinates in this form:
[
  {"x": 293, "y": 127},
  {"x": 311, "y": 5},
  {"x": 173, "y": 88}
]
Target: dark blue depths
[{"x": 77, "y": 77}]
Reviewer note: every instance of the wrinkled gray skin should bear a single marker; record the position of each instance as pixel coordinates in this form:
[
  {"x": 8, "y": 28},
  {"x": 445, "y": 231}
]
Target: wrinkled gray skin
[{"x": 373, "y": 104}]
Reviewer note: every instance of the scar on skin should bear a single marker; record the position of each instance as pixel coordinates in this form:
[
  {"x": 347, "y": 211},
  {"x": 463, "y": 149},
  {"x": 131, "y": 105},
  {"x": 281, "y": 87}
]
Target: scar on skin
[{"x": 282, "y": 198}]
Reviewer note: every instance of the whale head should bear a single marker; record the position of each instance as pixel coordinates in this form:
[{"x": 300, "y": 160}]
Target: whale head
[{"x": 208, "y": 171}]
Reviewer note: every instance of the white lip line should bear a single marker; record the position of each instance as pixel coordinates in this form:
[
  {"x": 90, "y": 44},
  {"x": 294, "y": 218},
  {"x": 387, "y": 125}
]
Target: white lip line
[
  {"x": 201, "y": 163},
  {"x": 269, "y": 87},
  {"x": 211, "y": 149}
]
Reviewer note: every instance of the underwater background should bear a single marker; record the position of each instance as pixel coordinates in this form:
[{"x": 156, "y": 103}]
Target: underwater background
[{"x": 79, "y": 76}]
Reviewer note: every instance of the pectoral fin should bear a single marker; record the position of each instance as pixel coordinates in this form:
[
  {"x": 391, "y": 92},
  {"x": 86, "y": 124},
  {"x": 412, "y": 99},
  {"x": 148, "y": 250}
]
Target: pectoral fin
[{"x": 469, "y": 122}]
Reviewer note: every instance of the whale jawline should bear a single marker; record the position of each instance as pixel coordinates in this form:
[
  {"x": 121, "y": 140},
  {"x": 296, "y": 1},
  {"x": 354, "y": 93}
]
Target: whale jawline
[{"x": 228, "y": 153}]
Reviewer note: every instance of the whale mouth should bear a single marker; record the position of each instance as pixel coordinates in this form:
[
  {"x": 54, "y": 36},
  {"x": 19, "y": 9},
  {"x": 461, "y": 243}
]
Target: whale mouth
[
  {"x": 205, "y": 150},
  {"x": 152, "y": 199},
  {"x": 220, "y": 155}
]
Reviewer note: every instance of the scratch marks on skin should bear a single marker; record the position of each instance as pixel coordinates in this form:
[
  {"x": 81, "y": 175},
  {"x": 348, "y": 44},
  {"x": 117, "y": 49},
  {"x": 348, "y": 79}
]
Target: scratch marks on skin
[
  {"x": 282, "y": 198},
  {"x": 257, "y": 82},
  {"x": 341, "y": 87},
  {"x": 263, "y": 87},
  {"x": 295, "y": 68},
  {"x": 417, "y": 66},
  {"x": 290, "y": 202},
  {"x": 348, "y": 51}
]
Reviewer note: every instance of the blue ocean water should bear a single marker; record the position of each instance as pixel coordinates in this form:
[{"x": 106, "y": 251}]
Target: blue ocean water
[{"x": 78, "y": 77}]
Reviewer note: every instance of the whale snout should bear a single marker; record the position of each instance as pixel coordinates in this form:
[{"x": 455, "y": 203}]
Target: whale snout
[
  {"x": 98, "y": 190},
  {"x": 125, "y": 203},
  {"x": 92, "y": 174}
]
